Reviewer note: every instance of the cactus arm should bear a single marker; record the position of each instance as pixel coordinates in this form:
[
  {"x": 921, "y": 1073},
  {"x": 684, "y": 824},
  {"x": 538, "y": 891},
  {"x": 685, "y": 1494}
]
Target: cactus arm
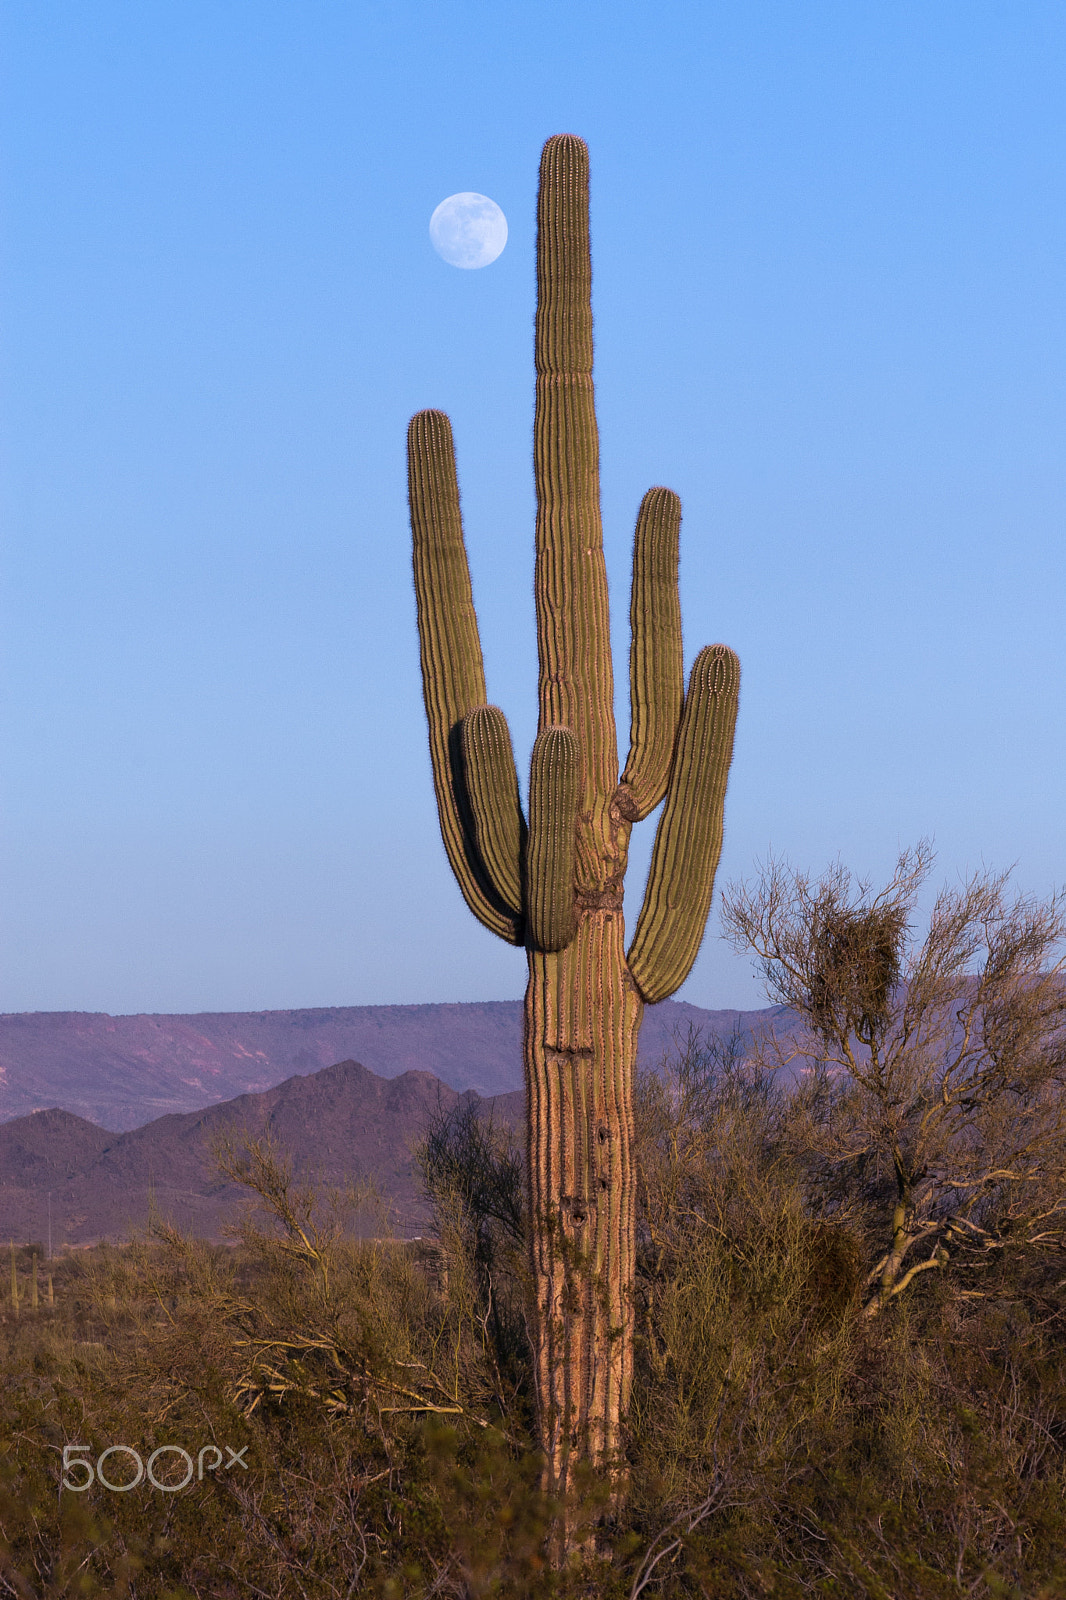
[
  {"x": 491, "y": 784},
  {"x": 576, "y": 685},
  {"x": 554, "y": 797},
  {"x": 453, "y": 676},
  {"x": 656, "y": 666},
  {"x": 688, "y": 842}
]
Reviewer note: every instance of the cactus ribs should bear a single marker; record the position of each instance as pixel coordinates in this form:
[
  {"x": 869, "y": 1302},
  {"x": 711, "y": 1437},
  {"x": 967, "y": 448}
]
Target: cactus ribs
[{"x": 555, "y": 885}]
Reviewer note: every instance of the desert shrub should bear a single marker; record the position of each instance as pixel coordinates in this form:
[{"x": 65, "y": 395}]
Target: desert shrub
[
  {"x": 779, "y": 1442},
  {"x": 473, "y": 1173},
  {"x": 931, "y": 1106},
  {"x": 367, "y": 1396},
  {"x": 783, "y": 1443}
]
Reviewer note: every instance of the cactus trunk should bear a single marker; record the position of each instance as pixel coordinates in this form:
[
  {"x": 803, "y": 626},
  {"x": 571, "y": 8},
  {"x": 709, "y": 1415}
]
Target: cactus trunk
[
  {"x": 582, "y": 1018},
  {"x": 556, "y": 885},
  {"x": 582, "y": 1013}
]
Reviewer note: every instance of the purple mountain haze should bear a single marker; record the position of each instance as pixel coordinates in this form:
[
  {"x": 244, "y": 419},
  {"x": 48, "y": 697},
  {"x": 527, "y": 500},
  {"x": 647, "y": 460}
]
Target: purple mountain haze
[
  {"x": 121, "y": 1072},
  {"x": 62, "y": 1178}
]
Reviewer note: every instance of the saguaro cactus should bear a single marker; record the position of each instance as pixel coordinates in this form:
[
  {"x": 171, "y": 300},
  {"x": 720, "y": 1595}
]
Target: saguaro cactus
[{"x": 556, "y": 885}]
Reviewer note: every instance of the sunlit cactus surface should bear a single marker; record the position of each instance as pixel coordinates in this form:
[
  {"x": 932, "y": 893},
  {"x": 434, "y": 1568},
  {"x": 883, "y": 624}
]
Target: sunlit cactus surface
[{"x": 553, "y": 882}]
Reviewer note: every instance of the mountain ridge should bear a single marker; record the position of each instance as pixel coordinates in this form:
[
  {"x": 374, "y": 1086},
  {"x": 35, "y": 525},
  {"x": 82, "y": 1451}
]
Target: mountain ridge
[
  {"x": 341, "y": 1125},
  {"x": 124, "y": 1071}
]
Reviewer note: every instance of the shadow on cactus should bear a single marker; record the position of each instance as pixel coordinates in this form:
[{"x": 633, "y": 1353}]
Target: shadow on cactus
[{"x": 553, "y": 882}]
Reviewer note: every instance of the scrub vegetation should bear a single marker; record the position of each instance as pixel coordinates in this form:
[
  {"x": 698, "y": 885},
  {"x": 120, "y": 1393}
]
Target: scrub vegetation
[{"x": 809, "y": 1415}]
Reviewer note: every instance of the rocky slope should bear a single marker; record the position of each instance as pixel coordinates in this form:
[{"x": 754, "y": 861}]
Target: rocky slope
[{"x": 342, "y": 1125}]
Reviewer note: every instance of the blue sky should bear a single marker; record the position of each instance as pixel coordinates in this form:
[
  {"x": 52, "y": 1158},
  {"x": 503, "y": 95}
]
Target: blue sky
[{"x": 829, "y": 248}]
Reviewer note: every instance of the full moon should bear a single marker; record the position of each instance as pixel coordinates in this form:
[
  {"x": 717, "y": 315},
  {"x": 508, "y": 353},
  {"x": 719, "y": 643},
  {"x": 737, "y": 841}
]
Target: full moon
[{"x": 468, "y": 230}]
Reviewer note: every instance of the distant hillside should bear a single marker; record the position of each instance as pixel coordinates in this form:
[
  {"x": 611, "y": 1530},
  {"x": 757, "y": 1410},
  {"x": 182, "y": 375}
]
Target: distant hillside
[
  {"x": 120, "y": 1072},
  {"x": 340, "y": 1124}
]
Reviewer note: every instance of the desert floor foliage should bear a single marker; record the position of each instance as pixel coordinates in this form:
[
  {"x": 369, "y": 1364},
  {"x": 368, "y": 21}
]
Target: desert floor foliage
[{"x": 780, "y": 1442}]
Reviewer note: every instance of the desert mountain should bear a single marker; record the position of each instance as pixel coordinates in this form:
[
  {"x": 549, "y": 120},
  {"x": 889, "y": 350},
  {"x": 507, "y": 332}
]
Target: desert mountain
[
  {"x": 341, "y": 1124},
  {"x": 120, "y": 1072}
]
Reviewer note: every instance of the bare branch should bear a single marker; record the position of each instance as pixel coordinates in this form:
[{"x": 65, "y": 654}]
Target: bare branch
[{"x": 934, "y": 1067}]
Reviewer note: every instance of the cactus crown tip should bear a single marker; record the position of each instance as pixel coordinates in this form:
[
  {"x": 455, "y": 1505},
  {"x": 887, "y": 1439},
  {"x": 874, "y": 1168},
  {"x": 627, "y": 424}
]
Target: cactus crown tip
[
  {"x": 425, "y": 424},
  {"x": 564, "y": 148},
  {"x": 659, "y": 494},
  {"x": 720, "y": 666}
]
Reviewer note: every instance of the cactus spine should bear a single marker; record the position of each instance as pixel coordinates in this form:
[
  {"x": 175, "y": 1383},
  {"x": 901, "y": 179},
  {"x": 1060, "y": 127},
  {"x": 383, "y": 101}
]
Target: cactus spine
[{"x": 557, "y": 888}]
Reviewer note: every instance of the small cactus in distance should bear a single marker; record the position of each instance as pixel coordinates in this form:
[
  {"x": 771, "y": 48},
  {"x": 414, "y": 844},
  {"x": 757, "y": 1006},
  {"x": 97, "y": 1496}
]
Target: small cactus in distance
[{"x": 553, "y": 883}]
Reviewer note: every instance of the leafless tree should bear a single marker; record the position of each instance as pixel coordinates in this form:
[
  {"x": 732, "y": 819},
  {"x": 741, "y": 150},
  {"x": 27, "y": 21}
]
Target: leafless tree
[{"x": 930, "y": 1103}]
